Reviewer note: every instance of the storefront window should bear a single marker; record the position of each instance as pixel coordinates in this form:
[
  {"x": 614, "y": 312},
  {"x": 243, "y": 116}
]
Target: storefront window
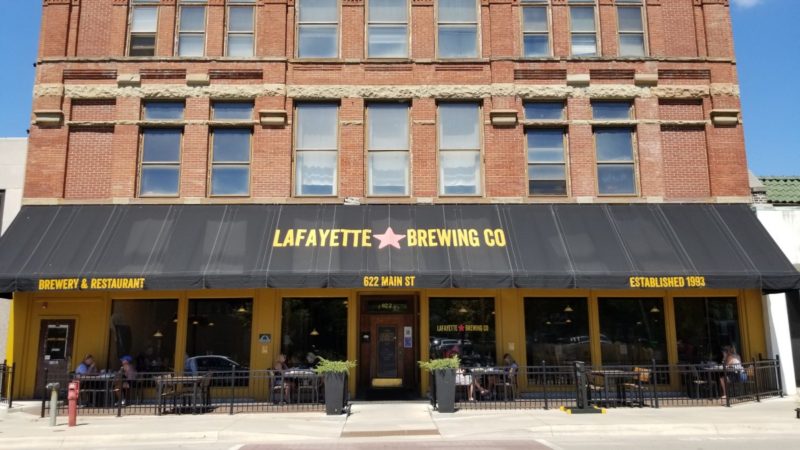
[
  {"x": 557, "y": 330},
  {"x": 704, "y": 326},
  {"x": 632, "y": 331},
  {"x": 317, "y": 325},
  {"x": 463, "y": 327},
  {"x": 145, "y": 331},
  {"x": 220, "y": 328}
]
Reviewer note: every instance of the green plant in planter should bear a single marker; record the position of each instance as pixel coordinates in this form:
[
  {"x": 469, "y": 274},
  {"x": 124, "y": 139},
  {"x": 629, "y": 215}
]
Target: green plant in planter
[
  {"x": 328, "y": 366},
  {"x": 441, "y": 364}
]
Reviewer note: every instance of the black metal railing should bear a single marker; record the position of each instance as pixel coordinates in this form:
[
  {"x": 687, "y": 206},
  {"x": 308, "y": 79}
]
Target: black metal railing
[
  {"x": 7, "y": 384},
  {"x": 227, "y": 392},
  {"x": 647, "y": 385}
]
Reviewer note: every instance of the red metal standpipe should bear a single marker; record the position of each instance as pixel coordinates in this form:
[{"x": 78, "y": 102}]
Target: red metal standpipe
[{"x": 72, "y": 397}]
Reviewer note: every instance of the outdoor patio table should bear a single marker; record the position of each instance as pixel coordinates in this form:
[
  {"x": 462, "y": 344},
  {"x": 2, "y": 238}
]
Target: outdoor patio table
[
  {"x": 303, "y": 380},
  {"x": 617, "y": 378},
  {"x": 177, "y": 386},
  {"x": 98, "y": 388},
  {"x": 488, "y": 377}
]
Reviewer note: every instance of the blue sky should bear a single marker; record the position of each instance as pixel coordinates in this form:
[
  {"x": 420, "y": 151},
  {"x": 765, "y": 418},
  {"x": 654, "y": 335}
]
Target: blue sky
[{"x": 767, "y": 40}]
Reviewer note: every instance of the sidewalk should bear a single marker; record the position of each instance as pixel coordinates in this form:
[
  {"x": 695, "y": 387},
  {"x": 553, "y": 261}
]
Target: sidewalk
[{"x": 375, "y": 421}]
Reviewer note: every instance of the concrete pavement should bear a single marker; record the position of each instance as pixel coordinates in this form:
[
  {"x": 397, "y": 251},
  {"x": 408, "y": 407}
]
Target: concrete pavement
[{"x": 379, "y": 422}]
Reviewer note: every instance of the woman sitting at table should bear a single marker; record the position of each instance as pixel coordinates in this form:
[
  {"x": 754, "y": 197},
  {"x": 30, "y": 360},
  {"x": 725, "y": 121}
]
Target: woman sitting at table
[
  {"x": 732, "y": 364},
  {"x": 125, "y": 378},
  {"x": 87, "y": 366},
  {"x": 280, "y": 380}
]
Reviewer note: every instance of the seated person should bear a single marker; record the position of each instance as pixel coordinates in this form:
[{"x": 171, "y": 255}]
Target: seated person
[
  {"x": 313, "y": 360},
  {"x": 87, "y": 366},
  {"x": 734, "y": 371},
  {"x": 125, "y": 377},
  {"x": 280, "y": 381}
]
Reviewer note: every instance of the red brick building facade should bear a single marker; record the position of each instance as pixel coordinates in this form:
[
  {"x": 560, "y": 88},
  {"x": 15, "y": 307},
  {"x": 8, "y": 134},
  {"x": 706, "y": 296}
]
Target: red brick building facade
[{"x": 687, "y": 143}]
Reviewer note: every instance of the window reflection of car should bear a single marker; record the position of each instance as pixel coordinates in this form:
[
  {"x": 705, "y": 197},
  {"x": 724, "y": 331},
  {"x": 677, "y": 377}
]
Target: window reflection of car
[{"x": 221, "y": 368}]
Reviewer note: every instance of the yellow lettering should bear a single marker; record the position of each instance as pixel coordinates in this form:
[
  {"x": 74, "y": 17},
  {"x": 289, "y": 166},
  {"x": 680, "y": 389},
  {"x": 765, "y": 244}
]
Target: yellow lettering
[
  {"x": 463, "y": 237},
  {"x": 323, "y": 237},
  {"x": 444, "y": 237},
  {"x": 488, "y": 237},
  {"x": 299, "y": 236},
  {"x": 366, "y": 238},
  {"x": 432, "y": 238},
  {"x": 276, "y": 240},
  {"x": 422, "y": 238},
  {"x": 473, "y": 238},
  {"x": 334, "y": 240},
  {"x": 411, "y": 237},
  {"x": 500, "y": 237},
  {"x": 311, "y": 240}
]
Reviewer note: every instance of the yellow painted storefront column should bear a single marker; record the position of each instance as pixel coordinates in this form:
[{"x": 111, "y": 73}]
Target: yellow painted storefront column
[
  {"x": 352, "y": 339},
  {"x": 262, "y": 357},
  {"x": 424, "y": 339},
  {"x": 180, "y": 331},
  {"x": 510, "y": 326},
  {"x": 751, "y": 318},
  {"x": 594, "y": 330}
]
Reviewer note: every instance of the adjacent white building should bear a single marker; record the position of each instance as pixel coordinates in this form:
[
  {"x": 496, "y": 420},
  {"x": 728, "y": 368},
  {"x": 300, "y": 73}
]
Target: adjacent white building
[
  {"x": 777, "y": 205},
  {"x": 13, "y": 152}
]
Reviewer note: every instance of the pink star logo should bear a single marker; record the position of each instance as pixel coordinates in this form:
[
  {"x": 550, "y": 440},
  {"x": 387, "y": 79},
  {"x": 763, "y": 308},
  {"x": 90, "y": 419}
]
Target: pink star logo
[{"x": 389, "y": 238}]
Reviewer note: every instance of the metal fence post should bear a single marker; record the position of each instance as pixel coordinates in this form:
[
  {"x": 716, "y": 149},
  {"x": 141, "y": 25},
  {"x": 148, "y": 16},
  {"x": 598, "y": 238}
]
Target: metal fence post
[
  {"x": 778, "y": 374},
  {"x": 544, "y": 385},
  {"x": 44, "y": 391},
  {"x": 233, "y": 384},
  {"x": 729, "y": 386},
  {"x": 11, "y": 385},
  {"x": 653, "y": 383},
  {"x": 755, "y": 380}
]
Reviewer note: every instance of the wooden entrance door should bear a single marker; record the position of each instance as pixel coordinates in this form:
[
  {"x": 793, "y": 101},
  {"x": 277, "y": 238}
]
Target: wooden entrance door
[
  {"x": 56, "y": 341},
  {"x": 388, "y": 343}
]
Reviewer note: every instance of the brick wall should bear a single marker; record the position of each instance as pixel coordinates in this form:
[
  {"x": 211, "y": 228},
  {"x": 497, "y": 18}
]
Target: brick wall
[{"x": 88, "y": 38}]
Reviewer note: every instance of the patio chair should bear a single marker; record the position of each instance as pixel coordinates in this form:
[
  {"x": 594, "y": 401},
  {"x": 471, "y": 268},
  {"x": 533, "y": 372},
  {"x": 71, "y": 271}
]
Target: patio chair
[
  {"x": 508, "y": 384},
  {"x": 699, "y": 384},
  {"x": 638, "y": 384},
  {"x": 307, "y": 386},
  {"x": 597, "y": 389}
]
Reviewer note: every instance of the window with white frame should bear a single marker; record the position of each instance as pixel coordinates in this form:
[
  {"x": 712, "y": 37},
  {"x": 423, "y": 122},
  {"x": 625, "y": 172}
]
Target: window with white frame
[
  {"x": 316, "y": 149},
  {"x": 616, "y": 167},
  {"x": 630, "y": 21},
  {"x": 535, "y": 28},
  {"x": 457, "y": 28},
  {"x": 231, "y": 149},
  {"x": 459, "y": 149},
  {"x": 192, "y": 28},
  {"x": 143, "y": 28},
  {"x": 160, "y": 162},
  {"x": 241, "y": 28},
  {"x": 583, "y": 28},
  {"x": 387, "y": 29},
  {"x": 547, "y": 173},
  {"x": 388, "y": 147},
  {"x": 318, "y": 29}
]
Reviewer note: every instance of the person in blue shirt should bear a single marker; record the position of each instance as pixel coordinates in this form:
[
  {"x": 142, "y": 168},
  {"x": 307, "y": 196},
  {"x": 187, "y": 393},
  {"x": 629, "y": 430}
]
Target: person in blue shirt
[{"x": 87, "y": 366}]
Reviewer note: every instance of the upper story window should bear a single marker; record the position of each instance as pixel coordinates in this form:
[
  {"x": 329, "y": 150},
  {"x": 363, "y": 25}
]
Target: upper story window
[
  {"x": 631, "y": 28},
  {"x": 318, "y": 29},
  {"x": 143, "y": 28},
  {"x": 547, "y": 173},
  {"x": 583, "y": 28},
  {"x": 231, "y": 150},
  {"x": 457, "y": 28},
  {"x": 616, "y": 167},
  {"x": 192, "y": 28},
  {"x": 2, "y": 204},
  {"x": 535, "y": 28},
  {"x": 388, "y": 142},
  {"x": 317, "y": 148},
  {"x": 241, "y": 28},
  {"x": 459, "y": 149},
  {"x": 387, "y": 29},
  {"x": 160, "y": 161}
]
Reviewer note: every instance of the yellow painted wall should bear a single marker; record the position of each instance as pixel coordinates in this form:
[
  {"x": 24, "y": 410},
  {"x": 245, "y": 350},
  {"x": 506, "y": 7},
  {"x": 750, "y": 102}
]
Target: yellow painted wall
[{"x": 92, "y": 312}]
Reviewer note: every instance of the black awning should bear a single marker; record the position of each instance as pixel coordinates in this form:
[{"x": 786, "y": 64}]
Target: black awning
[{"x": 110, "y": 247}]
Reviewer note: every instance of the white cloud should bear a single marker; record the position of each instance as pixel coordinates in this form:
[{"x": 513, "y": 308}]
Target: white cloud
[{"x": 747, "y": 3}]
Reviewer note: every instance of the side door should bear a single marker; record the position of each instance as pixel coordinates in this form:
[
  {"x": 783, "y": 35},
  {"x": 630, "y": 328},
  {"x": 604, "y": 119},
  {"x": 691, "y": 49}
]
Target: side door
[
  {"x": 56, "y": 341},
  {"x": 387, "y": 352}
]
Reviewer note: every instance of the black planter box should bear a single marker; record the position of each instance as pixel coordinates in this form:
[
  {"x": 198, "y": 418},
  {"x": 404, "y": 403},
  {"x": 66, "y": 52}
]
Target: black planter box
[
  {"x": 445, "y": 392},
  {"x": 335, "y": 393}
]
